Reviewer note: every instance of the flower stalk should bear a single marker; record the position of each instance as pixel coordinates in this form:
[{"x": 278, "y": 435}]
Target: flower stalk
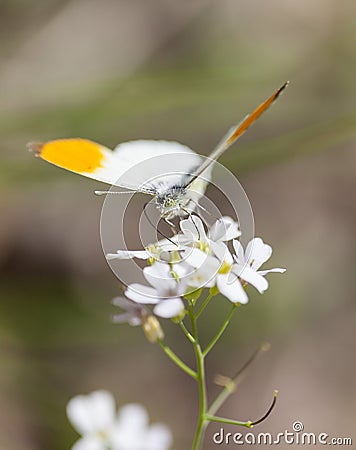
[
  {"x": 220, "y": 332},
  {"x": 199, "y": 357},
  {"x": 177, "y": 361},
  {"x": 193, "y": 261}
]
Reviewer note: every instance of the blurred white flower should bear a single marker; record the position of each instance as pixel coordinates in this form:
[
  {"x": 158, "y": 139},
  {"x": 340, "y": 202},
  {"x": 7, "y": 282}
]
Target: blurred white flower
[
  {"x": 134, "y": 433},
  {"x": 165, "y": 292},
  {"x": 94, "y": 416},
  {"x": 137, "y": 314}
]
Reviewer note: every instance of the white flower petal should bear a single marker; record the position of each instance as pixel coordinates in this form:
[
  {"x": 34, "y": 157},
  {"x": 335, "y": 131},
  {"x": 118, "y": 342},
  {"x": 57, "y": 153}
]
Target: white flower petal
[
  {"x": 158, "y": 437},
  {"x": 189, "y": 230},
  {"x": 193, "y": 230},
  {"x": 140, "y": 293},
  {"x": 239, "y": 251},
  {"x": 132, "y": 312},
  {"x": 181, "y": 269},
  {"x": 128, "y": 254},
  {"x": 89, "y": 443},
  {"x": 205, "y": 275},
  {"x": 126, "y": 318},
  {"x": 164, "y": 245},
  {"x": 276, "y": 269},
  {"x": 169, "y": 308},
  {"x": 224, "y": 229},
  {"x": 133, "y": 416},
  {"x": 257, "y": 252},
  {"x": 233, "y": 231},
  {"x": 200, "y": 227},
  {"x": 197, "y": 282},
  {"x": 194, "y": 257},
  {"x": 251, "y": 276},
  {"x": 93, "y": 412},
  {"x": 230, "y": 286},
  {"x": 222, "y": 252},
  {"x": 159, "y": 276},
  {"x": 129, "y": 432},
  {"x": 182, "y": 240},
  {"x": 217, "y": 230},
  {"x": 123, "y": 303},
  {"x": 126, "y": 438}
]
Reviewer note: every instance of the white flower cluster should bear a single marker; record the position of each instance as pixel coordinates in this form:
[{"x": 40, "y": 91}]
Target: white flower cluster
[
  {"x": 95, "y": 417},
  {"x": 193, "y": 259}
]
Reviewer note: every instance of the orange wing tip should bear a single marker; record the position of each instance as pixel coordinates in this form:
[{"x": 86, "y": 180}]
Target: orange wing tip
[
  {"x": 77, "y": 155},
  {"x": 35, "y": 147},
  {"x": 281, "y": 89}
]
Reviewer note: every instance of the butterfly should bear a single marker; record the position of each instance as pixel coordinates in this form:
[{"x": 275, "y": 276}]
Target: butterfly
[{"x": 172, "y": 173}]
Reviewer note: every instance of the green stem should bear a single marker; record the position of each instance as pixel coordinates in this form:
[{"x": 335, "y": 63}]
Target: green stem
[
  {"x": 201, "y": 383},
  {"x": 177, "y": 360},
  {"x": 220, "y": 332},
  {"x": 186, "y": 332},
  {"x": 204, "y": 304},
  {"x": 229, "y": 421}
]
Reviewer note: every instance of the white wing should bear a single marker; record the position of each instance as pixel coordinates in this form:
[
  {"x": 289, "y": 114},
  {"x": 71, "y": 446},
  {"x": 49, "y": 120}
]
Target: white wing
[{"x": 151, "y": 165}]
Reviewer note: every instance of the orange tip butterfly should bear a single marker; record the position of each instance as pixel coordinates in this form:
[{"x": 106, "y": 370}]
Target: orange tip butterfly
[{"x": 176, "y": 180}]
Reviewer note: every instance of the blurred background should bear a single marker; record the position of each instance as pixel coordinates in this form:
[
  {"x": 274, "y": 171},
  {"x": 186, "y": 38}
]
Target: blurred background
[{"x": 116, "y": 70}]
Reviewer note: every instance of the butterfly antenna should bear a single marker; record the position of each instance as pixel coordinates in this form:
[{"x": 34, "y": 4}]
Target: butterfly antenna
[
  {"x": 195, "y": 225},
  {"x": 156, "y": 228},
  {"x": 111, "y": 192},
  {"x": 201, "y": 207},
  {"x": 191, "y": 215}
]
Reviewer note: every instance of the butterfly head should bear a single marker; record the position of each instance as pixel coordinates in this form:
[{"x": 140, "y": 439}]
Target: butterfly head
[{"x": 172, "y": 202}]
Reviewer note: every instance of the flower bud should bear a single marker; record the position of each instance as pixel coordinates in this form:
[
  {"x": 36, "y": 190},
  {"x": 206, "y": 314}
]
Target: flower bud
[{"x": 152, "y": 329}]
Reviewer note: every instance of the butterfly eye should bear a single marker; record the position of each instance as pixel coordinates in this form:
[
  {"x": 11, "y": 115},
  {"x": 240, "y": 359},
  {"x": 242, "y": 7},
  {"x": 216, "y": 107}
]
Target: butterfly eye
[{"x": 170, "y": 202}]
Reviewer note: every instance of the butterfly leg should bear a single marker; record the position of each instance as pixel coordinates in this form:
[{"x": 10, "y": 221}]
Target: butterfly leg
[
  {"x": 190, "y": 214},
  {"x": 171, "y": 226},
  {"x": 156, "y": 228}
]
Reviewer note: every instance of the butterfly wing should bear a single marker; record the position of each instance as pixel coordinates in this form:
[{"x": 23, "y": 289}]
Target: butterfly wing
[
  {"x": 236, "y": 132},
  {"x": 144, "y": 165},
  {"x": 157, "y": 165},
  {"x": 152, "y": 167}
]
